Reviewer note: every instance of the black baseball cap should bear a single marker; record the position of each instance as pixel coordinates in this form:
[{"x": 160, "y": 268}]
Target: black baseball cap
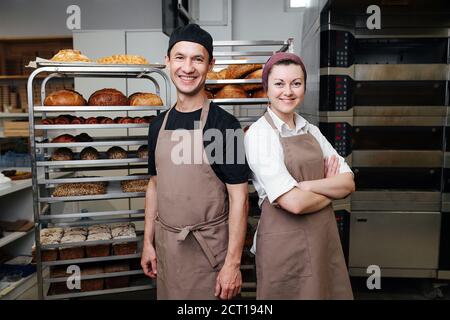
[{"x": 192, "y": 33}]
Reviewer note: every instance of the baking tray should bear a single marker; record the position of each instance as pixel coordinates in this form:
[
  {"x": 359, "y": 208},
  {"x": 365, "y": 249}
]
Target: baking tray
[
  {"x": 88, "y": 260},
  {"x": 97, "y": 108},
  {"x": 99, "y": 141},
  {"x": 69, "y": 163},
  {"x": 91, "y": 126},
  {"x": 48, "y": 63},
  {"x": 94, "y": 179},
  {"x": 113, "y": 191}
]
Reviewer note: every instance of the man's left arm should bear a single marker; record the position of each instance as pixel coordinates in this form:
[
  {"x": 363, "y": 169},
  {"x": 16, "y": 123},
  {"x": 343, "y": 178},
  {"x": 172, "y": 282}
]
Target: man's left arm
[{"x": 229, "y": 279}]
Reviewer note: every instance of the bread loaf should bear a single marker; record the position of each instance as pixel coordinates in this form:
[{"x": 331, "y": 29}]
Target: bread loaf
[
  {"x": 254, "y": 75},
  {"x": 116, "y": 153},
  {"x": 108, "y": 97},
  {"x": 89, "y": 153},
  {"x": 259, "y": 94},
  {"x": 64, "y": 98},
  {"x": 63, "y": 138},
  {"x": 142, "y": 152},
  {"x": 237, "y": 71},
  {"x": 145, "y": 99},
  {"x": 231, "y": 91}
]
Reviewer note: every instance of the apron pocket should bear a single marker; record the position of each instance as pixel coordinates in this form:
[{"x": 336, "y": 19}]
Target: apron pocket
[{"x": 284, "y": 257}]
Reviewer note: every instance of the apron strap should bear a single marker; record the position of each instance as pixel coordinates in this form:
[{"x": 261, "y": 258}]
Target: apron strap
[
  {"x": 203, "y": 116},
  {"x": 196, "y": 232}
]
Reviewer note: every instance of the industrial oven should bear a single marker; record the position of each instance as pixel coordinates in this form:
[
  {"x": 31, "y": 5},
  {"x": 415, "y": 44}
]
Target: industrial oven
[{"x": 381, "y": 98}]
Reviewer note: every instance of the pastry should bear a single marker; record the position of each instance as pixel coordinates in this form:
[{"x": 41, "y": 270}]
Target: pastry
[
  {"x": 70, "y": 55},
  {"x": 63, "y": 138},
  {"x": 145, "y": 99},
  {"x": 231, "y": 91},
  {"x": 108, "y": 97},
  {"x": 89, "y": 153},
  {"x": 254, "y": 86},
  {"x": 62, "y": 154},
  {"x": 123, "y": 59},
  {"x": 116, "y": 153},
  {"x": 142, "y": 152},
  {"x": 64, "y": 98}
]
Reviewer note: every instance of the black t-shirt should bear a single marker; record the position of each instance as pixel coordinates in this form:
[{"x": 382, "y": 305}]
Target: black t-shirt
[{"x": 231, "y": 172}]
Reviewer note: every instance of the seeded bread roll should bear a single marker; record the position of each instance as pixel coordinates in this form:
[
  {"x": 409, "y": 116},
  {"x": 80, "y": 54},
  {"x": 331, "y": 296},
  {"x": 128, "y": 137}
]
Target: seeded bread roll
[
  {"x": 143, "y": 151},
  {"x": 145, "y": 99},
  {"x": 116, "y": 153},
  {"x": 64, "y": 98},
  {"x": 62, "y": 154},
  {"x": 231, "y": 91},
  {"x": 89, "y": 153},
  {"x": 108, "y": 97}
]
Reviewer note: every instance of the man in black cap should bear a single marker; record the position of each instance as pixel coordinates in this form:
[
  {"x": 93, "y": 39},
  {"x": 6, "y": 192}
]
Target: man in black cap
[{"x": 196, "y": 207}]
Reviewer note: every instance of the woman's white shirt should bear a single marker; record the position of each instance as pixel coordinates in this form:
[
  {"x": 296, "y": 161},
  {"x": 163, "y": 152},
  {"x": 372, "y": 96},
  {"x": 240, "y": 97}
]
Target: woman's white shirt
[{"x": 265, "y": 156}]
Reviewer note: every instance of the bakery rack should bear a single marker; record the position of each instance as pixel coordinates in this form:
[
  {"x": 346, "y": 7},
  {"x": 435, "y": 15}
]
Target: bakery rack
[
  {"x": 247, "y": 111},
  {"x": 45, "y": 214}
]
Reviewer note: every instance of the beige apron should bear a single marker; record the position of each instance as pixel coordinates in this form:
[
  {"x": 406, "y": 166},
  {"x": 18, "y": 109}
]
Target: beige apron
[
  {"x": 191, "y": 231},
  {"x": 300, "y": 256}
]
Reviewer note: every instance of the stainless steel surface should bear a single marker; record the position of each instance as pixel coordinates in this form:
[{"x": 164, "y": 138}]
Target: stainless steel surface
[
  {"x": 241, "y": 101},
  {"x": 101, "y": 292},
  {"x": 407, "y": 240},
  {"x": 246, "y": 43},
  {"x": 445, "y": 206},
  {"x": 398, "y": 200},
  {"x": 114, "y": 191},
  {"x": 92, "y": 214},
  {"x": 396, "y": 273},
  {"x": 446, "y": 159},
  {"x": 99, "y": 142},
  {"x": 89, "y": 162},
  {"x": 88, "y": 260},
  {"x": 391, "y": 72},
  {"x": 93, "y": 179},
  {"x": 98, "y": 108},
  {"x": 91, "y": 126},
  {"x": 97, "y": 276},
  {"x": 443, "y": 274},
  {"x": 404, "y": 111},
  {"x": 397, "y": 158}
]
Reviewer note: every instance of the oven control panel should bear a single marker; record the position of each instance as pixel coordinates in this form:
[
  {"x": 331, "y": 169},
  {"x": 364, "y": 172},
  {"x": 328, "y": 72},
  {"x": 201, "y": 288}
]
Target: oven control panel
[
  {"x": 339, "y": 135},
  {"x": 336, "y": 49},
  {"x": 336, "y": 93}
]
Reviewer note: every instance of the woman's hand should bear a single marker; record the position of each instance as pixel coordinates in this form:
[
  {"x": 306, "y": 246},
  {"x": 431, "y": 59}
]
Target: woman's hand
[{"x": 331, "y": 166}]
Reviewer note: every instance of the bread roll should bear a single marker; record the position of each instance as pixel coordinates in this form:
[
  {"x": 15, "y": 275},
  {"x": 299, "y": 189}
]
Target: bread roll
[
  {"x": 145, "y": 99},
  {"x": 108, "y": 97},
  {"x": 64, "y": 98},
  {"x": 62, "y": 154},
  {"x": 142, "y": 152},
  {"x": 89, "y": 153},
  {"x": 83, "y": 137},
  {"x": 231, "y": 91},
  {"x": 64, "y": 138},
  {"x": 116, "y": 153},
  {"x": 254, "y": 75}
]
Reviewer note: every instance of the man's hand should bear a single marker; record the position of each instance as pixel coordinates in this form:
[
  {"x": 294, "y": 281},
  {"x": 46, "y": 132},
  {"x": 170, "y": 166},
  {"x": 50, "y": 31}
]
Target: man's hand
[
  {"x": 331, "y": 166},
  {"x": 148, "y": 261},
  {"x": 228, "y": 282}
]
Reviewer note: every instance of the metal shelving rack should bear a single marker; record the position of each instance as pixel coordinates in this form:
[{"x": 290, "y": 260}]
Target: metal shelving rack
[
  {"x": 41, "y": 149},
  {"x": 262, "y": 50}
]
